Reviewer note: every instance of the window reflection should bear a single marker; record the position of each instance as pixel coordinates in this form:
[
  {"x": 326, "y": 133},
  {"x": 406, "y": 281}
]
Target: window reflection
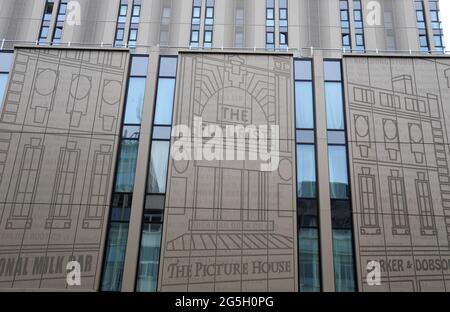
[
  {"x": 343, "y": 260},
  {"x": 158, "y": 167},
  {"x": 306, "y": 171},
  {"x": 135, "y": 100},
  {"x": 337, "y": 159},
  {"x": 126, "y": 166},
  {"x": 149, "y": 258},
  {"x": 308, "y": 226},
  {"x": 115, "y": 256},
  {"x": 3, "y": 81},
  {"x": 335, "y": 111},
  {"x": 164, "y": 101},
  {"x": 309, "y": 262},
  {"x": 304, "y": 104}
]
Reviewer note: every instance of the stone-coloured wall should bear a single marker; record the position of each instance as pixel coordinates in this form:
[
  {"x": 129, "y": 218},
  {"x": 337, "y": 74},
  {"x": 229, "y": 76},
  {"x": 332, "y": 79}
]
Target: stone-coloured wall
[
  {"x": 228, "y": 225},
  {"x": 59, "y": 128},
  {"x": 398, "y": 117}
]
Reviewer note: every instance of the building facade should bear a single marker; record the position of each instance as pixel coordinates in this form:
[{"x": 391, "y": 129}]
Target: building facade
[{"x": 217, "y": 145}]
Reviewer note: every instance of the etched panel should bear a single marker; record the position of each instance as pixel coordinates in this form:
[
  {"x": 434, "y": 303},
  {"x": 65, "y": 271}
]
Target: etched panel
[
  {"x": 236, "y": 230},
  {"x": 58, "y": 134},
  {"x": 400, "y": 168}
]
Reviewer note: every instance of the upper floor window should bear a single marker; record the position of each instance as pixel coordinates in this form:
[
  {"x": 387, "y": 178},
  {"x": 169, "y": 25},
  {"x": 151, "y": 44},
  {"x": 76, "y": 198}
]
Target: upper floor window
[
  {"x": 436, "y": 26},
  {"x": 57, "y": 33},
  {"x": 359, "y": 25},
  {"x": 345, "y": 25},
  {"x": 270, "y": 24},
  {"x": 121, "y": 21},
  {"x": 209, "y": 22},
  {"x": 283, "y": 24},
  {"x": 195, "y": 23},
  {"x": 46, "y": 19},
  {"x": 135, "y": 16},
  {"x": 421, "y": 26}
]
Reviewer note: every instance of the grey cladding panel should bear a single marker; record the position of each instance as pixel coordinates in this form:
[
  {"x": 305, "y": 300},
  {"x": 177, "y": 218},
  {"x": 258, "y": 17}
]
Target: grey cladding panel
[{"x": 59, "y": 130}]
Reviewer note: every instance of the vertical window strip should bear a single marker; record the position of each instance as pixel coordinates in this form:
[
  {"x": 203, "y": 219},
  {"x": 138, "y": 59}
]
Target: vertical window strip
[
  {"x": 134, "y": 25},
  {"x": 283, "y": 16},
  {"x": 345, "y": 26},
  {"x": 359, "y": 26},
  {"x": 46, "y": 22},
  {"x": 209, "y": 24},
  {"x": 147, "y": 275},
  {"x": 61, "y": 17},
  {"x": 422, "y": 26},
  {"x": 341, "y": 211},
  {"x": 124, "y": 177},
  {"x": 239, "y": 24},
  {"x": 436, "y": 25},
  {"x": 195, "y": 23},
  {"x": 270, "y": 24},
  {"x": 307, "y": 203},
  {"x": 121, "y": 22}
]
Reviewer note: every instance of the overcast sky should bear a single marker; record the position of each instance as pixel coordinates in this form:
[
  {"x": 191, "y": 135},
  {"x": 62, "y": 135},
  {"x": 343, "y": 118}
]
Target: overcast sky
[{"x": 445, "y": 15}]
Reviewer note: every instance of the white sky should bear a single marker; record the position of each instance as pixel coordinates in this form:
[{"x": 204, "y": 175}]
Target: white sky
[{"x": 445, "y": 15}]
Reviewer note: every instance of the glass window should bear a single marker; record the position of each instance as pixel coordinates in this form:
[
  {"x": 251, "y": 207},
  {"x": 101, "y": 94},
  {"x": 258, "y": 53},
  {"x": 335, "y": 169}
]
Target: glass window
[
  {"x": 3, "y": 82},
  {"x": 194, "y": 36},
  {"x": 158, "y": 167},
  {"x": 126, "y": 166},
  {"x": 119, "y": 35},
  {"x": 208, "y": 36},
  {"x": 168, "y": 67},
  {"x": 341, "y": 214},
  {"x": 305, "y": 136},
  {"x": 139, "y": 66},
  {"x": 343, "y": 260},
  {"x": 115, "y": 256},
  {"x": 309, "y": 262},
  {"x": 164, "y": 101},
  {"x": 334, "y": 105},
  {"x": 136, "y": 10},
  {"x": 44, "y": 32},
  {"x": 336, "y": 137},
  {"x": 332, "y": 70},
  {"x": 133, "y": 35},
  {"x": 58, "y": 32},
  {"x": 337, "y": 164},
  {"x": 346, "y": 40},
  {"x": 423, "y": 41},
  {"x": 161, "y": 133},
  {"x": 306, "y": 171},
  {"x": 6, "y": 60},
  {"x": 49, "y": 8},
  {"x": 121, "y": 207},
  {"x": 359, "y": 40},
  {"x": 303, "y": 70},
  {"x": 154, "y": 202},
  {"x": 270, "y": 38},
  {"x": 123, "y": 10},
  {"x": 135, "y": 100},
  {"x": 304, "y": 104},
  {"x": 196, "y": 13},
  {"x": 209, "y": 12},
  {"x": 437, "y": 41},
  {"x": 149, "y": 258}
]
